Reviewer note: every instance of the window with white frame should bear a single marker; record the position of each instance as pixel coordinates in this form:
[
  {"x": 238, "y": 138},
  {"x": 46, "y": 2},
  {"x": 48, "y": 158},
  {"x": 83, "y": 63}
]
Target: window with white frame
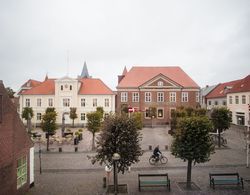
[
  {"x": 39, "y": 102},
  {"x": 50, "y": 101},
  {"x": 160, "y": 113},
  {"x": 236, "y": 99},
  {"x": 39, "y": 116},
  {"x": 94, "y": 102},
  {"x": 243, "y": 99},
  {"x": 197, "y": 96},
  {"x": 172, "y": 96},
  {"x": 66, "y": 102},
  {"x": 184, "y": 96},
  {"x": 160, "y": 97},
  {"x": 160, "y": 83},
  {"x": 135, "y": 97},
  {"x": 106, "y": 102},
  {"x": 27, "y": 102},
  {"x": 83, "y": 116},
  {"x": 83, "y": 102},
  {"x": 21, "y": 171},
  {"x": 124, "y": 96},
  {"x": 147, "y": 96},
  {"x": 216, "y": 102},
  {"x": 230, "y": 100}
]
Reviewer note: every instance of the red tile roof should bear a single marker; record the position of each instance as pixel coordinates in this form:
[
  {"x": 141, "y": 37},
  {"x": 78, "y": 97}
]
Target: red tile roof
[
  {"x": 221, "y": 90},
  {"x": 138, "y": 75},
  {"x": 31, "y": 83},
  {"x": 45, "y": 88},
  {"x": 241, "y": 86},
  {"x": 92, "y": 86},
  {"x": 89, "y": 86}
]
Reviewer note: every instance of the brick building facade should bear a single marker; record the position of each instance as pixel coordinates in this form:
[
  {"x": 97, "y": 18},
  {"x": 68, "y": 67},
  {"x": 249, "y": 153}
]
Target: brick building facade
[
  {"x": 164, "y": 88},
  {"x": 16, "y": 150}
]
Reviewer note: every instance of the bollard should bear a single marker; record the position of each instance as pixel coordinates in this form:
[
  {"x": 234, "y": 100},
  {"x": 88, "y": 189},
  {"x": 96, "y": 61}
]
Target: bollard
[
  {"x": 60, "y": 149},
  {"x": 166, "y": 147},
  {"x": 76, "y": 149},
  {"x": 150, "y": 147},
  {"x": 104, "y": 182}
]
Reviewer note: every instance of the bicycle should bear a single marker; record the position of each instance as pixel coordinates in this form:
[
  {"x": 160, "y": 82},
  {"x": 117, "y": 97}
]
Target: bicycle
[{"x": 153, "y": 159}]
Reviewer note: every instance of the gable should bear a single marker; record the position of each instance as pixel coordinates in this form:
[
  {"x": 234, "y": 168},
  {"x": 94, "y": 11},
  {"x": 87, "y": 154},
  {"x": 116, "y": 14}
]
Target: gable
[{"x": 160, "y": 81}]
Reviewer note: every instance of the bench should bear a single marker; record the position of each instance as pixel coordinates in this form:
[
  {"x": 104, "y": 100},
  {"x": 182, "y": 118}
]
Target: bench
[
  {"x": 153, "y": 180},
  {"x": 225, "y": 179}
]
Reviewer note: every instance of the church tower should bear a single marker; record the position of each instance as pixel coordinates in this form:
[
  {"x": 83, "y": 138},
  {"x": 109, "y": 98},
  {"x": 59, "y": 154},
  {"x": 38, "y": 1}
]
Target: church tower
[{"x": 85, "y": 73}]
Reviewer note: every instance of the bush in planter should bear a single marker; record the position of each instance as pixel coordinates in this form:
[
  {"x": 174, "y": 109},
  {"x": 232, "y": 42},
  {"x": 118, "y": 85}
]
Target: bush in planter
[{"x": 80, "y": 130}]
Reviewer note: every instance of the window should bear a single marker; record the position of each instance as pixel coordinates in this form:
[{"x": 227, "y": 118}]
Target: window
[
  {"x": 230, "y": 100},
  {"x": 209, "y": 102},
  {"x": 70, "y": 87},
  {"x": 66, "y": 102},
  {"x": 160, "y": 97},
  {"x": 27, "y": 102},
  {"x": 216, "y": 103},
  {"x": 135, "y": 97},
  {"x": 224, "y": 103},
  {"x": 83, "y": 102},
  {"x": 147, "y": 113},
  {"x": 159, "y": 113},
  {"x": 106, "y": 102},
  {"x": 172, "y": 96},
  {"x": 236, "y": 99},
  {"x": 124, "y": 96},
  {"x": 243, "y": 99},
  {"x": 197, "y": 96},
  {"x": 147, "y": 97},
  {"x": 160, "y": 83},
  {"x": 39, "y": 102},
  {"x": 50, "y": 102},
  {"x": 94, "y": 102},
  {"x": 61, "y": 87},
  {"x": 21, "y": 171},
  {"x": 83, "y": 116},
  {"x": 184, "y": 96},
  {"x": 38, "y": 116}
]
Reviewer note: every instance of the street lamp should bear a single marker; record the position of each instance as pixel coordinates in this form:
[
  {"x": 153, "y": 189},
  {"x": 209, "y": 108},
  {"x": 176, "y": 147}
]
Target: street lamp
[{"x": 115, "y": 158}]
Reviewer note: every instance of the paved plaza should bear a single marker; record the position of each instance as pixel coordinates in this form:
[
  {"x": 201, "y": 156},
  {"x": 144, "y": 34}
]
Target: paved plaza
[{"x": 70, "y": 172}]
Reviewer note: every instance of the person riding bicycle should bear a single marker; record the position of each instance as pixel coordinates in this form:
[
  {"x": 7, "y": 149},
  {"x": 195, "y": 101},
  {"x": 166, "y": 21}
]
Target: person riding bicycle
[{"x": 157, "y": 152}]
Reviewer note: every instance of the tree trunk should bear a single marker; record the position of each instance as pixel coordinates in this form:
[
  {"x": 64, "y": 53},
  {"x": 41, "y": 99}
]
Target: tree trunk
[
  {"x": 73, "y": 123},
  {"x": 189, "y": 169},
  {"x": 48, "y": 142},
  {"x": 93, "y": 141},
  {"x": 219, "y": 139}
]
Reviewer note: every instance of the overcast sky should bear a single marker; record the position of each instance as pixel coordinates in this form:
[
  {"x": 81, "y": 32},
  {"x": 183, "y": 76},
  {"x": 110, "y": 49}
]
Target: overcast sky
[{"x": 208, "y": 39}]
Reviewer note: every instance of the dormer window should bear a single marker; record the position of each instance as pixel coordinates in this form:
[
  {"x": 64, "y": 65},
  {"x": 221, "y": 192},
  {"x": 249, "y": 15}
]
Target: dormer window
[{"x": 160, "y": 83}]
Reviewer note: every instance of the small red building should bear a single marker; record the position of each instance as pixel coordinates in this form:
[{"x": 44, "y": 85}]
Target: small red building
[
  {"x": 164, "y": 88},
  {"x": 16, "y": 150}
]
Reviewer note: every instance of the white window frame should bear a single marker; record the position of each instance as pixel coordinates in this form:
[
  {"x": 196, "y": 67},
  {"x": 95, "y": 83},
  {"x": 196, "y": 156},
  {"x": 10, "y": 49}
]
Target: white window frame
[
  {"x": 197, "y": 96},
  {"x": 148, "y": 97},
  {"x": 23, "y": 172},
  {"x": 50, "y": 102},
  {"x": 27, "y": 102},
  {"x": 135, "y": 97},
  {"x": 106, "y": 103},
  {"x": 243, "y": 99},
  {"x": 83, "y": 102},
  {"x": 160, "y": 96},
  {"x": 38, "y": 102},
  {"x": 237, "y": 101},
  {"x": 230, "y": 99},
  {"x": 184, "y": 96},
  {"x": 160, "y": 117},
  {"x": 172, "y": 96},
  {"x": 38, "y": 116},
  {"x": 124, "y": 96},
  {"x": 66, "y": 102},
  {"x": 160, "y": 83},
  {"x": 83, "y": 116},
  {"x": 94, "y": 102}
]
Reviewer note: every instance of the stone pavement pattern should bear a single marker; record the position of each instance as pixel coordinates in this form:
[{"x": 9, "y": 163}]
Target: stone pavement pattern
[{"x": 72, "y": 173}]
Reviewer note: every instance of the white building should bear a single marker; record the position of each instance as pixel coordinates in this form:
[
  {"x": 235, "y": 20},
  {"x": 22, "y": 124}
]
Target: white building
[
  {"x": 84, "y": 93},
  {"x": 238, "y": 100}
]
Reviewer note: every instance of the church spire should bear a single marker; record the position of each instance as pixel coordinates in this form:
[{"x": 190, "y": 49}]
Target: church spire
[
  {"x": 124, "y": 71},
  {"x": 85, "y": 73}
]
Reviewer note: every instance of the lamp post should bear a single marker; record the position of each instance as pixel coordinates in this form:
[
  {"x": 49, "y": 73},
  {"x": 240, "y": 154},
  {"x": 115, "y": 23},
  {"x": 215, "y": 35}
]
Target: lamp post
[{"x": 115, "y": 158}]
